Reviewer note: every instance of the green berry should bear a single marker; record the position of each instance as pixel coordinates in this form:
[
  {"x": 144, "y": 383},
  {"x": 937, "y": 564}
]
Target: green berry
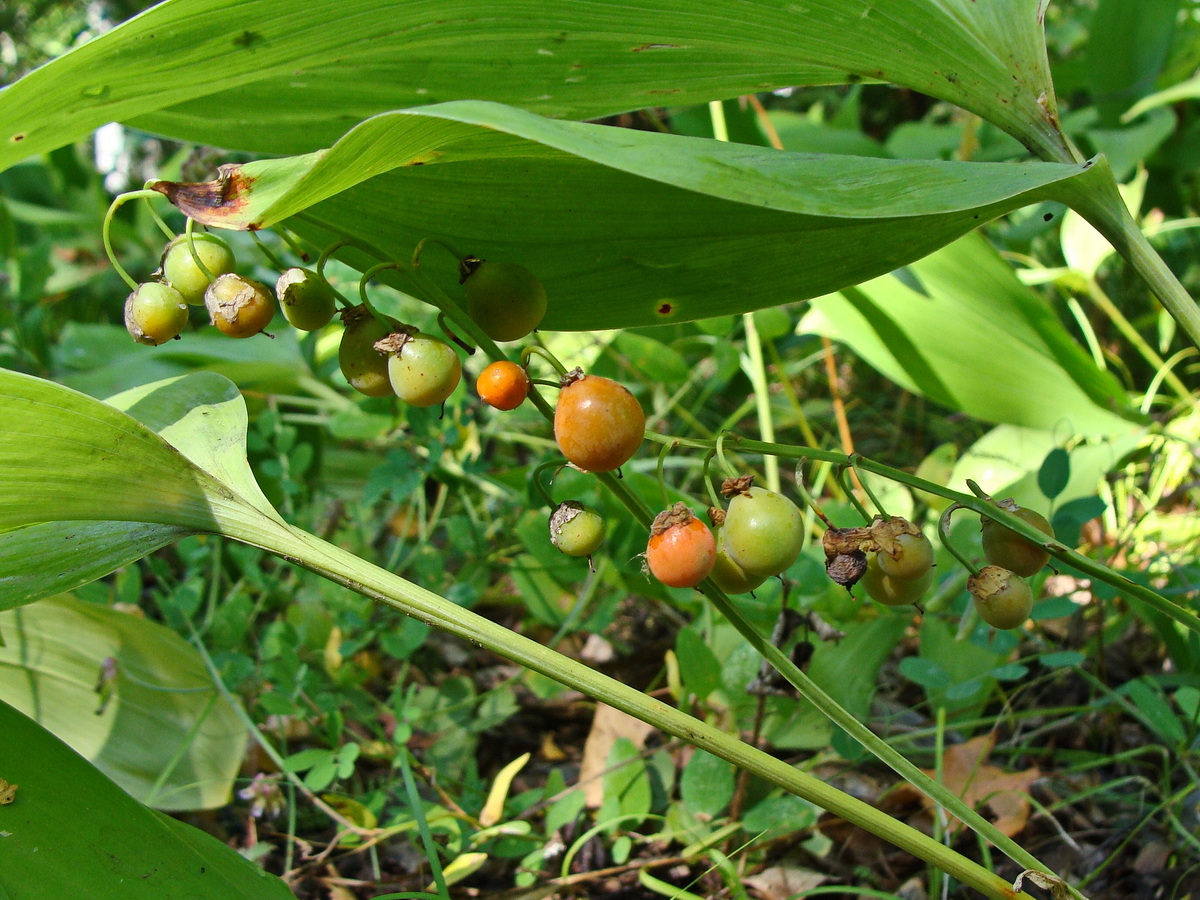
[
  {"x": 424, "y": 370},
  {"x": 1002, "y": 598},
  {"x": 1012, "y": 551},
  {"x": 728, "y": 575},
  {"x": 179, "y": 268},
  {"x": 910, "y": 556},
  {"x": 890, "y": 590},
  {"x": 505, "y": 299},
  {"x": 306, "y": 299},
  {"x": 365, "y": 367},
  {"x": 155, "y": 313},
  {"x": 764, "y": 531},
  {"x": 575, "y": 529},
  {"x": 239, "y": 307}
]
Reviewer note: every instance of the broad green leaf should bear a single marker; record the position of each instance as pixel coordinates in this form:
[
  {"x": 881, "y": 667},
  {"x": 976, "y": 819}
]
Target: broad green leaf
[
  {"x": 70, "y": 832},
  {"x": 157, "y": 726},
  {"x": 202, "y": 416},
  {"x": 282, "y": 76},
  {"x": 1127, "y": 46},
  {"x": 101, "y": 360},
  {"x": 706, "y": 785},
  {"x": 67, "y": 457},
  {"x": 624, "y": 228},
  {"x": 961, "y": 329},
  {"x": 53, "y": 557},
  {"x": 1006, "y": 460}
]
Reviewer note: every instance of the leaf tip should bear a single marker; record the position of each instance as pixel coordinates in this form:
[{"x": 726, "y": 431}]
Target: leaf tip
[{"x": 217, "y": 202}]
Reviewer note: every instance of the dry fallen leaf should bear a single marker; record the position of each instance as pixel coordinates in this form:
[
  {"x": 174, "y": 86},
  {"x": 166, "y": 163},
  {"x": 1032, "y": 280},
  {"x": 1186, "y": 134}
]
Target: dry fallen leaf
[
  {"x": 783, "y": 883},
  {"x": 608, "y": 726},
  {"x": 966, "y": 773}
]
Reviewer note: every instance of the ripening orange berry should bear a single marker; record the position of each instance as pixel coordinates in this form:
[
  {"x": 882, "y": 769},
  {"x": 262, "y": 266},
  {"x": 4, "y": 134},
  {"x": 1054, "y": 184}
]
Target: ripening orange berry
[
  {"x": 682, "y": 550},
  {"x": 503, "y": 385},
  {"x": 598, "y": 424}
]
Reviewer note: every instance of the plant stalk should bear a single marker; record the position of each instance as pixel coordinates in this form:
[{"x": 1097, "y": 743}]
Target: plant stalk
[{"x": 350, "y": 571}]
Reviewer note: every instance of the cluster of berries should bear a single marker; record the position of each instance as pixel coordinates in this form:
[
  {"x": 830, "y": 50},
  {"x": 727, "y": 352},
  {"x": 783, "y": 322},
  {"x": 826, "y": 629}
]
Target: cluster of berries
[
  {"x": 759, "y": 535},
  {"x": 199, "y": 269},
  {"x": 598, "y": 426},
  {"x": 894, "y": 561}
]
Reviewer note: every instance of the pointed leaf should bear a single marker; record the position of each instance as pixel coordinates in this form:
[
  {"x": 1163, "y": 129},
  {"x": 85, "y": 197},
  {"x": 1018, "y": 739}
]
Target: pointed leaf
[
  {"x": 961, "y": 329},
  {"x": 282, "y": 76},
  {"x": 158, "y": 715},
  {"x": 70, "y": 832},
  {"x": 624, "y": 228},
  {"x": 65, "y": 456},
  {"x": 53, "y": 557},
  {"x": 493, "y": 808}
]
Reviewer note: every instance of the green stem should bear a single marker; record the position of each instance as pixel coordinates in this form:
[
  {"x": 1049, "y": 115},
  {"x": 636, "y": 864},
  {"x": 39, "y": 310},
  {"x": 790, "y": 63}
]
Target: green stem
[
  {"x": 659, "y": 473},
  {"x": 293, "y": 244},
  {"x": 276, "y": 263},
  {"x": 944, "y": 534},
  {"x": 839, "y": 474},
  {"x": 756, "y": 370},
  {"x": 867, "y": 490},
  {"x": 362, "y": 291},
  {"x": 1139, "y": 343},
  {"x": 1097, "y": 199},
  {"x": 545, "y": 354},
  {"x": 189, "y": 233},
  {"x": 713, "y": 500},
  {"x": 348, "y": 570},
  {"x": 541, "y": 488},
  {"x": 106, "y": 227},
  {"x": 418, "y": 811}
]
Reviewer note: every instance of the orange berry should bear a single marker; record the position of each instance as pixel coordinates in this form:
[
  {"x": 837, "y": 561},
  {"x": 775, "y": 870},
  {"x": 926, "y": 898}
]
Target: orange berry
[
  {"x": 598, "y": 424},
  {"x": 503, "y": 385},
  {"x": 682, "y": 550}
]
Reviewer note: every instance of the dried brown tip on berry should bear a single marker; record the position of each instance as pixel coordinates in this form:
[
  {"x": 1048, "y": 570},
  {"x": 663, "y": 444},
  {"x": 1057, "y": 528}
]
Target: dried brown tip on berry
[
  {"x": 576, "y": 374},
  {"x": 716, "y": 515},
  {"x": 731, "y": 487},
  {"x": 564, "y": 513},
  {"x": 884, "y": 532},
  {"x": 989, "y": 581},
  {"x": 467, "y": 266},
  {"x": 838, "y": 541},
  {"x": 352, "y": 314},
  {"x": 847, "y": 568},
  {"x": 394, "y": 343},
  {"x": 679, "y": 514}
]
